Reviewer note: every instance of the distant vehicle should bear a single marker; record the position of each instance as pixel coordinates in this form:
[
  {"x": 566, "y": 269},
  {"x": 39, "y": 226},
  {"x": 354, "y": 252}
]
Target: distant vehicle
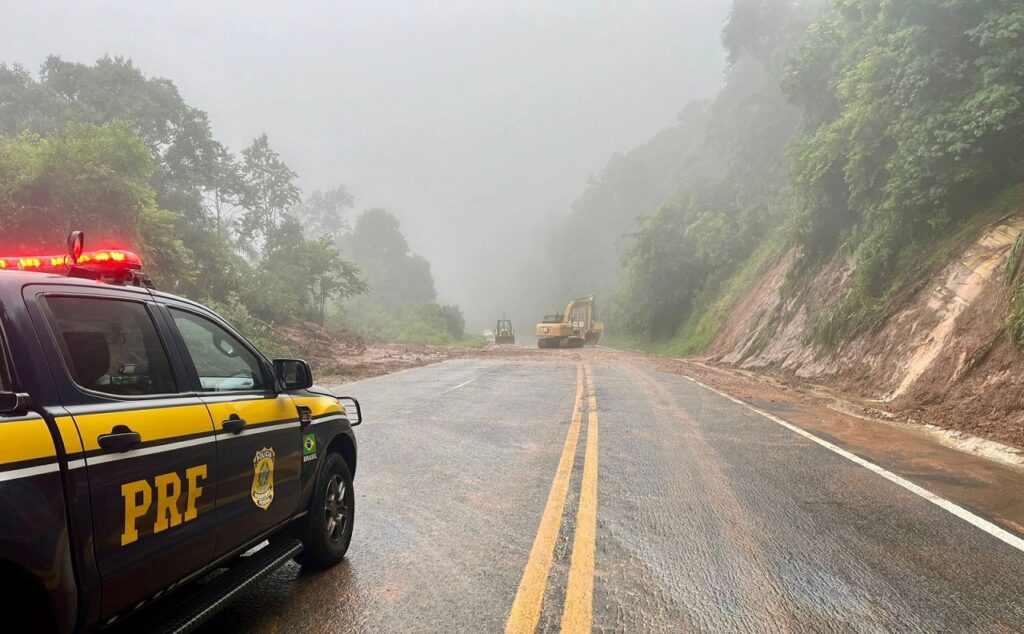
[
  {"x": 575, "y": 327},
  {"x": 503, "y": 333},
  {"x": 489, "y": 335}
]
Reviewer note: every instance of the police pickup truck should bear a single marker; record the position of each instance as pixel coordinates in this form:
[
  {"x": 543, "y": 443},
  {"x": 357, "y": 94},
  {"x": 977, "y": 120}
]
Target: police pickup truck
[{"x": 144, "y": 444}]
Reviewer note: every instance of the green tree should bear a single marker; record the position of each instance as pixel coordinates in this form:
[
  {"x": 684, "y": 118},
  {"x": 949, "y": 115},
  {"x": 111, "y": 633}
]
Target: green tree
[
  {"x": 323, "y": 213},
  {"x": 732, "y": 192},
  {"x": 913, "y": 116},
  {"x": 193, "y": 175},
  {"x": 329, "y": 275},
  {"x": 396, "y": 275},
  {"x": 268, "y": 191},
  {"x": 94, "y": 178}
]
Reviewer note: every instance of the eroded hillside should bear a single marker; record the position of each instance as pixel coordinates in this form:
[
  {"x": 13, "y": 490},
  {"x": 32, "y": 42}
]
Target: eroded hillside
[{"x": 941, "y": 355}]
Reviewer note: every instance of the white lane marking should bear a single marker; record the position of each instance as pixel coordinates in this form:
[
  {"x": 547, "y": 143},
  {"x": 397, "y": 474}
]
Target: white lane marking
[
  {"x": 29, "y": 471},
  {"x": 463, "y": 384},
  {"x": 979, "y": 522}
]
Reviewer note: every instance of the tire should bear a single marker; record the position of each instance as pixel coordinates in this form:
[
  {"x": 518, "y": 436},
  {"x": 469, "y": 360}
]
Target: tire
[{"x": 327, "y": 528}]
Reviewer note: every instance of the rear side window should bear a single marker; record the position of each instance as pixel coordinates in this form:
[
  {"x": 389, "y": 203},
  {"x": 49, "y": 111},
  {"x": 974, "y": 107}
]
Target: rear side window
[
  {"x": 111, "y": 346},
  {"x": 222, "y": 362}
]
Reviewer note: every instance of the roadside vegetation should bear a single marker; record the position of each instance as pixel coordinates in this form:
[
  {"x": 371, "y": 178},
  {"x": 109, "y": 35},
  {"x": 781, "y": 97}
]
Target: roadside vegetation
[
  {"x": 873, "y": 131},
  {"x": 105, "y": 149}
]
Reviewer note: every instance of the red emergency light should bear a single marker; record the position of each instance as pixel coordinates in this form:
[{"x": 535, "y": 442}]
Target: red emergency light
[
  {"x": 108, "y": 259},
  {"x": 117, "y": 264}
]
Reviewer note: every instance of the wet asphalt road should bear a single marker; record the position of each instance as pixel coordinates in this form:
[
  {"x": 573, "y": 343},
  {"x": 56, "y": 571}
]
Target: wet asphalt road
[{"x": 708, "y": 517}]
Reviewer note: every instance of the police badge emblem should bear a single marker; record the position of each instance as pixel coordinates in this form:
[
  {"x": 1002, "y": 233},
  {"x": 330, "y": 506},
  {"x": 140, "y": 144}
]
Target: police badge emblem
[{"x": 263, "y": 478}]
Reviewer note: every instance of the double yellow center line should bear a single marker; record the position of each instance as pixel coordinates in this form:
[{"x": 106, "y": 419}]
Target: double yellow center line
[{"x": 577, "y": 613}]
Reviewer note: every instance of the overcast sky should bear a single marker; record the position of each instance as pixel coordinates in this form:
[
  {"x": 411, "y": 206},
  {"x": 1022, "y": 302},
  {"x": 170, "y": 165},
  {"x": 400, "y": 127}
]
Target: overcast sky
[{"x": 470, "y": 119}]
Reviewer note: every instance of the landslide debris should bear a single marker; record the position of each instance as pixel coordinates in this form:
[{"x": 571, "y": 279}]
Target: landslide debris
[{"x": 942, "y": 354}]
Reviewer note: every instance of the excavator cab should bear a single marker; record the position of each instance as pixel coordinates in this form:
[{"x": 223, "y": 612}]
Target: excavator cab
[{"x": 503, "y": 332}]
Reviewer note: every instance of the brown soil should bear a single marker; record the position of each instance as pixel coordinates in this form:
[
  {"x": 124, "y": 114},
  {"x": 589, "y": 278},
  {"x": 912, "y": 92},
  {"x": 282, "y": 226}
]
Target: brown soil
[
  {"x": 941, "y": 356},
  {"x": 339, "y": 357}
]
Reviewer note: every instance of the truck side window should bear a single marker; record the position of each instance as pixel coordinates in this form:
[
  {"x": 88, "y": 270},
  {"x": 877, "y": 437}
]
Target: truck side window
[
  {"x": 111, "y": 346},
  {"x": 222, "y": 362}
]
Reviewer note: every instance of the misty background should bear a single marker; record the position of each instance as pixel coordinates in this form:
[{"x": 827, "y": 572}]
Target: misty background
[{"x": 473, "y": 122}]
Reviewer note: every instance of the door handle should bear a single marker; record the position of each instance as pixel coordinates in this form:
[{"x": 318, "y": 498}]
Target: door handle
[
  {"x": 120, "y": 437},
  {"x": 234, "y": 424},
  {"x": 305, "y": 416}
]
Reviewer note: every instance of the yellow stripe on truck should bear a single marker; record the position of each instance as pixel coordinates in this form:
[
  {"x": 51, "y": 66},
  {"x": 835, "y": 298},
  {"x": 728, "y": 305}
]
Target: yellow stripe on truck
[
  {"x": 254, "y": 412},
  {"x": 25, "y": 440},
  {"x": 162, "y": 423},
  {"x": 319, "y": 405},
  {"x": 69, "y": 435}
]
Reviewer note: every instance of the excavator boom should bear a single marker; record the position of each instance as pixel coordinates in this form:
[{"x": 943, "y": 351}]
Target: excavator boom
[{"x": 575, "y": 327}]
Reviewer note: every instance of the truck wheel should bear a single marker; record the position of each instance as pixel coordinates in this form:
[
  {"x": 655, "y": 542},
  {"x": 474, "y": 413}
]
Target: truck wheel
[{"x": 327, "y": 527}]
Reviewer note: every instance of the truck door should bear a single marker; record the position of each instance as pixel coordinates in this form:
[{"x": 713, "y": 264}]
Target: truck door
[
  {"x": 150, "y": 449},
  {"x": 259, "y": 436}
]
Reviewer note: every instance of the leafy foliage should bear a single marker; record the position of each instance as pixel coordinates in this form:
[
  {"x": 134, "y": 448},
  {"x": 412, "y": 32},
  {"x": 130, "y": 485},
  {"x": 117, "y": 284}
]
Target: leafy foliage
[
  {"x": 400, "y": 305},
  {"x": 912, "y": 114},
  {"x": 92, "y": 177},
  {"x": 105, "y": 149},
  {"x": 735, "y": 195},
  {"x": 323, "y": 214},
  {"x": 396, "y": 275},
  {"x": 268, "y": 191},
  {"x": 904, "y": 119}
]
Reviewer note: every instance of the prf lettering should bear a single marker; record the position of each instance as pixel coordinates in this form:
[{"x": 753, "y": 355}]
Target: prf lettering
[{"x": 167, "y": 488}]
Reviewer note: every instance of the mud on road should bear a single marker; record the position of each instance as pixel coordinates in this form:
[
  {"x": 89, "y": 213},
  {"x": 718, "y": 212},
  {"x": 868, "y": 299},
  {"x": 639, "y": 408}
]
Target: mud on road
[{"x": 690, "y": 512}]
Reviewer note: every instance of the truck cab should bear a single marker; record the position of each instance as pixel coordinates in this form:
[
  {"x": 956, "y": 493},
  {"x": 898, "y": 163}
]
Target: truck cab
[{"x": 145, "y": 442}]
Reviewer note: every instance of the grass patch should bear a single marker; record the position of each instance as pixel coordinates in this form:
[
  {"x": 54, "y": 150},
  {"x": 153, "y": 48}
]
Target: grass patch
[
  {"x": 916, "y": 264},
  {"x": 705, "y": 323},
  {"x": 472, "y": 341}
]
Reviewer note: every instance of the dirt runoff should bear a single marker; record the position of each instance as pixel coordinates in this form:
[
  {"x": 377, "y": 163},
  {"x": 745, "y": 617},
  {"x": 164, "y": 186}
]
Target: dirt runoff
[
  {"x": 942, "y": 356},
  {"x": 882, "y": 430},
  {"x": 341, "y": 357}
]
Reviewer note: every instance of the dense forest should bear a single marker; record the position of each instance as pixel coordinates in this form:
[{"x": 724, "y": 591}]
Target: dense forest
[
  {"x": 105, "y": 149},
  {"x": 863, "y": 129},
  {"x": 868, "y": 130}
]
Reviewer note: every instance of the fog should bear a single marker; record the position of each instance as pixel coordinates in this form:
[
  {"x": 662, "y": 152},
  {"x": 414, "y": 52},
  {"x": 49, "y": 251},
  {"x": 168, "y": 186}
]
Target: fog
[{"x": 472, "y": 121}]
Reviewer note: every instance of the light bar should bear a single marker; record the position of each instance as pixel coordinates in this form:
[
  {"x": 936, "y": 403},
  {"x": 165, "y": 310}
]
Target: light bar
[{"x": 104, "y": 259}]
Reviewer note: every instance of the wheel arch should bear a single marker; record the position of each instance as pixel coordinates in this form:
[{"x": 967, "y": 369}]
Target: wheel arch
[{"x": 344, "y": 445}]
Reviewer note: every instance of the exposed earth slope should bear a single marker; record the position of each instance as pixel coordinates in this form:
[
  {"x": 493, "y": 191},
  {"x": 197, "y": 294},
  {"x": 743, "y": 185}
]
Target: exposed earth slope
[{"x": 941, "y": 355}]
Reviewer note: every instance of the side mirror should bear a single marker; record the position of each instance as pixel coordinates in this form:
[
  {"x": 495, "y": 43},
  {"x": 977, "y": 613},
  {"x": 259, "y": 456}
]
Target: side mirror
[
  {"x": 293, "y": 374},
  {"x": 352, "y": 407},
  {"x": 14, "y": 403}
]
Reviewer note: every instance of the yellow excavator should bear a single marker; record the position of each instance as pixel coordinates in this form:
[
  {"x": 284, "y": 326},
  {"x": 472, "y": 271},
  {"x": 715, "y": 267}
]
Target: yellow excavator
[{"x": 575, "y": 326}]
